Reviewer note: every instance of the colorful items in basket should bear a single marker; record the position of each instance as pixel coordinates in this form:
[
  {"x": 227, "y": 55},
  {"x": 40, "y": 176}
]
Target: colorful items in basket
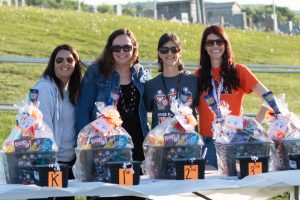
[
  {"x": 100, "y": 142},
  {"x": 30, "y": 133},
  {"x": 237, "y": 129},
  {"x": 237, "y": 136},
  {"x": 172, "y": 139},
  {"x": 30, "y": 142},
  {"x": 105, "y": 131},
  {"x": 19, "y": 167},
  {"x": 284, "y": 129},
  {"x": 285, "y": 125}
]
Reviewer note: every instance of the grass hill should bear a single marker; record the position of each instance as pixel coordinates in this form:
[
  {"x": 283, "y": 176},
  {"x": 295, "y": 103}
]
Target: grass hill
[{"x": 34, "y": 32}]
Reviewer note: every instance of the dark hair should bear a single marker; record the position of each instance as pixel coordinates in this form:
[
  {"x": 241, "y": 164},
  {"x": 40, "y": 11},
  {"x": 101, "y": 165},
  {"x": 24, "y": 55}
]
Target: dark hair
[
  {"x": 106, "y": 60},
  {"x": 75, "y": 79},
  {"x": 228, "y": 70},
  {"x": 163, "y": 40}
]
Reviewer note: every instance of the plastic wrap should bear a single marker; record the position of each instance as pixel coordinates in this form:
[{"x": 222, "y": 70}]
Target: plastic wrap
[
  {"x": 172, "y": 139},
  {"x": 30, "y": 142},
  {"x": 100, "y": 142},
  {"x": 284, "y": 129},
  {"x": 238, "y": 136}
]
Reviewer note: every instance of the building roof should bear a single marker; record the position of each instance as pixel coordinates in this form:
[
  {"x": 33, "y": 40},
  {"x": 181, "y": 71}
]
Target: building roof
[
  {"x": 220, "y": 5},
  {"x": 171, "y": 1}
]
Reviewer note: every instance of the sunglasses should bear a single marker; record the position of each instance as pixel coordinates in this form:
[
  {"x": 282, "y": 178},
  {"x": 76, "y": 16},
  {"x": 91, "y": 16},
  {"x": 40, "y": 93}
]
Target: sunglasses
[
  {"x": 211, "y": 43},
  {"x": 165, "y": 50},
  {"x": 59, "y": 60},
  {"x": 117, "y": 48}
]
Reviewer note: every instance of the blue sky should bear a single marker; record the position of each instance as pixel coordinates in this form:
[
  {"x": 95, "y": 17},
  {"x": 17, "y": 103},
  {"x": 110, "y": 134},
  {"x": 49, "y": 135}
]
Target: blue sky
[{"x": 291, "y": 4}]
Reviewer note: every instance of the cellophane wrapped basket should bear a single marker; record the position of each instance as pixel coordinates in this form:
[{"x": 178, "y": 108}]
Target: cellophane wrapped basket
[
  {"x": 30, "y": 143},
  {"x": 172, "y": 139},
  {"x": 100, "y": 142},
  {"x": 284, "y": 129},
  {"x": 238, "y": 136}
]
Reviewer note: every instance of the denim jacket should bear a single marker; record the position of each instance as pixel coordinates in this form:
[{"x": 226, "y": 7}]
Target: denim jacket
[{"x": 95, "y": 87}]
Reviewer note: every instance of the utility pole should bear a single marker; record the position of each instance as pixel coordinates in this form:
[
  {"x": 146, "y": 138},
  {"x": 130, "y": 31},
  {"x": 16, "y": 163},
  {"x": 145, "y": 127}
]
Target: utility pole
[
  {"x": 203, "y": 12},
  {"x": 154, "y": 9},
  {"x": 199, "y": 18},
  {"x": 274, "y": 18},
  {"x": 78, "y": 6}
]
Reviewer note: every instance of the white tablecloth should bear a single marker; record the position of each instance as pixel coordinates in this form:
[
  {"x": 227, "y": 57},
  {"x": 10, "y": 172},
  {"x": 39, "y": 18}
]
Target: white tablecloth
[{"x": 213, "y": 186}]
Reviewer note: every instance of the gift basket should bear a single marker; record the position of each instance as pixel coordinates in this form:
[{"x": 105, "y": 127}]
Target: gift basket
[
  {"x": 284, "y": 129},
  {"x": 174, "y": 138},
  {"x": 236, "y": 138},
  {"x": 29, "y": 144},
  {"x": 100, "y": 142}
]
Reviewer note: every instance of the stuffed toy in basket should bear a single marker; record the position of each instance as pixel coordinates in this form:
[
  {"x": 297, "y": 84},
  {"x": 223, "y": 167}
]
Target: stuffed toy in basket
[{"x": 30, "y": 143}]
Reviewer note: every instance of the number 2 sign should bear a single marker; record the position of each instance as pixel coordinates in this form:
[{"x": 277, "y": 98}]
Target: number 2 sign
[{"x": 190, "y": 172}]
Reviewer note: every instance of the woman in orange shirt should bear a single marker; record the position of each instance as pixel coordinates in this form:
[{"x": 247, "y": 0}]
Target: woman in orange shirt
[{"x": 223, "y": 79}]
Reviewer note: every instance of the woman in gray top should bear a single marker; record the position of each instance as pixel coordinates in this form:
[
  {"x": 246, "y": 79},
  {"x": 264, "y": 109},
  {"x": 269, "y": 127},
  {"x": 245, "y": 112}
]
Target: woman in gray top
[
  {"x": 172, "y": 83},
  {"x": 58, "y": 89}
]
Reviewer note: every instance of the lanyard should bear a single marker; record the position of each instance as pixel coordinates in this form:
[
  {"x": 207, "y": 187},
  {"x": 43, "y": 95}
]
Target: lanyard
[
  {"x": 165, "y": 87},
  {"x": 217, "y": 91}
]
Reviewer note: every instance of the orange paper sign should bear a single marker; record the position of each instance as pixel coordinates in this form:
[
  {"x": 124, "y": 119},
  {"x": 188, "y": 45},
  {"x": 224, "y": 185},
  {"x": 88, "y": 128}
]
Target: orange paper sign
[
  {"x": 190, "y": 172},
  {"x": 125, "y": 176},
  {"x": 55, "y": 179},
  {"x": 254, "y": 168}
]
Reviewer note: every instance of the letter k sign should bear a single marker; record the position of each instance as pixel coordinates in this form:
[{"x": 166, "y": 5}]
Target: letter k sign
[{"x": 55, "y": 179}]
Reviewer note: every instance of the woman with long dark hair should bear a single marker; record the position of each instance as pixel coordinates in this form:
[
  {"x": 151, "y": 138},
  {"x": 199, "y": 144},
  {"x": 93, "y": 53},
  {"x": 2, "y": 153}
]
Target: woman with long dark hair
[
  {"x": 58, "y": 89},
  {"x": 222, "y": 78},
  {"x": 117, "y": 69},
  {"x": 172, "y": 83}
]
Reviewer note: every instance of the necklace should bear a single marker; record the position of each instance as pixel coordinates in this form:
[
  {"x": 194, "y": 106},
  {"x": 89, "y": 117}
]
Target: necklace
[
  {"x": 128, "y": 98},
  {"x": 165, "y": 89}
]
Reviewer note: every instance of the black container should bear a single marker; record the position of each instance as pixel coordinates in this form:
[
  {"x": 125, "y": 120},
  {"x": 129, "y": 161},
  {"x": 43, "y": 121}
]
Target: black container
[
  {"x": 51, "y": 176},
  {"x": 247, "y": 165},
  {"x": 161, "y": 159},
  {"x": 130, "y": 167},
  {"x": 283, "y": 149},
  {"x": 183, "y": 173},
  {"x": 18, "y": 166},
  {"x": 93, "y": 162},
  {"x": 294, "y": 161},
  {"x": 227, "y": 153}
]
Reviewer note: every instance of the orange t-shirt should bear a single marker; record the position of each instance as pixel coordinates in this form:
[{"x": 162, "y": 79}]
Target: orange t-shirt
[{"x": 233, "y": 97}]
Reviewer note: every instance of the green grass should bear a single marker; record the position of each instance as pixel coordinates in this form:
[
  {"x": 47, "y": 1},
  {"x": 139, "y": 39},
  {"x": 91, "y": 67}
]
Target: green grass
[{"x": 34, "y": 32}]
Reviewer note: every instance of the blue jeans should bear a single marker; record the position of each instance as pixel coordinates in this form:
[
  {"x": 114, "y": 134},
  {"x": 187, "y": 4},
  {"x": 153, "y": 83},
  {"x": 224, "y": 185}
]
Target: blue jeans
[{"x": 211, "y": 156}]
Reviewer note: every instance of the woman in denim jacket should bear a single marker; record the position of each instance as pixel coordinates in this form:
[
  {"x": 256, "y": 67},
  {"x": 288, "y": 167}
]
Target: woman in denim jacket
[{"x": 117, "y": 69}]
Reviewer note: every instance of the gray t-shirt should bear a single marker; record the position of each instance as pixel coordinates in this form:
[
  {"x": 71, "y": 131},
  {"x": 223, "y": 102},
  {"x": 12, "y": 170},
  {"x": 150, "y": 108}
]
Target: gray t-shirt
[
  {"x": 157, "y": 95},
  {"x": 68, "y": 127}
]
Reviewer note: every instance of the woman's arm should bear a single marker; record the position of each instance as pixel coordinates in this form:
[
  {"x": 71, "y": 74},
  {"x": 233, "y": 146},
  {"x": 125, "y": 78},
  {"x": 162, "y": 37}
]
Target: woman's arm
[{"x": 259, "y": 89}]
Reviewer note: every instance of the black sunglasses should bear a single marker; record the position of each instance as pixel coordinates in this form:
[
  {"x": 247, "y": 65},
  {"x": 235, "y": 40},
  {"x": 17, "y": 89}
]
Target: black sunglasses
[
  {"x": 117, "y": 48},
  {"x": 211, "y": 43},
  {"x": 165, "y": 50},
  {"x": 59, "y": 60}
]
